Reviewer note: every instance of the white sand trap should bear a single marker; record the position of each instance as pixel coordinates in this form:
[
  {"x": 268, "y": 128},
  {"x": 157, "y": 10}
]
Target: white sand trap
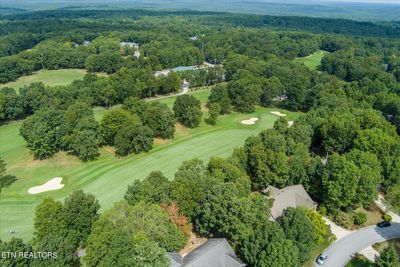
[
  {"x": 290, "y": 123},
  {"x": 277, "y": 113},
  {"x": 53, "y": 184},
  {"x": 250, "y": 121}
]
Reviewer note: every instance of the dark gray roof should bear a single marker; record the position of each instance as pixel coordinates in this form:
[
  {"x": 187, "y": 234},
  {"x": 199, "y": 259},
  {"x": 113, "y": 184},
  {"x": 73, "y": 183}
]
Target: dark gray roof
[
  {"x": 175, "y": 259},
  {"x": 216, "y": 252},
  {"x": 290, "y": 196}
]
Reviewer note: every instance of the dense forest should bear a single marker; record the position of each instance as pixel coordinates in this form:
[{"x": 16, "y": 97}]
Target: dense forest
[{"x": 343, "y": 150}]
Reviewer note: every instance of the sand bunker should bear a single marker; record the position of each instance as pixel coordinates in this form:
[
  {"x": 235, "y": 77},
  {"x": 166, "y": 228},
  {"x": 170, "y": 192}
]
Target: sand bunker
[
  {"x": 250, "y": 121},
  {"x": 277, "y": 113},
  {"x": 290, "y": 123},
  {"x": 53, "y": 184}
]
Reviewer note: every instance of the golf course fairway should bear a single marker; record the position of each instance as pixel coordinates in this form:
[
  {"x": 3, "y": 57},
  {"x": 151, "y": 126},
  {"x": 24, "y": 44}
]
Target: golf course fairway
[{"x": 108, "y": 177}]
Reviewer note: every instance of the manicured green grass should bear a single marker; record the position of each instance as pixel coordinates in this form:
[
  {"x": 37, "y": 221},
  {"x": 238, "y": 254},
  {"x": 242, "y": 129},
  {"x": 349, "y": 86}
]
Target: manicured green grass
[
  {"x": 315, "y": 253},
  {"x": 48, "y": 77},
  {"x": 312, "y": 61},
  {"x": 108, "y": 176}
]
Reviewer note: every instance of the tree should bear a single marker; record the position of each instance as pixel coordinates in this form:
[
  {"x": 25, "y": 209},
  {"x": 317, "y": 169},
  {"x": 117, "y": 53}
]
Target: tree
[
  {"x": 219, "y": 96},
  {"x": 15, "y": 245},
  {"x": 155, "y": 188},
  {"x": 340, "y": 180},
  {"x": 180, "y": 220},
  {"x": 393, "y": 196},
  {"x": 225, "y": 171},
  {"x": 244, "y": 91},
  {"x": 85, "y": 144},
  {"x": 298, "y": 228},
  {"x": 322, "y": 230},
  {"x": 170, "y": 83},
  {"x": 43, "y": 132},
  {"x": 272, "y": 88},
  {"x": 113, "y": 246},
  {"x": 387, "y": 258},
  {"x": 339, "y": 132},
  {"x": 213, "y": 111},
  {"x": 267, "y": 246},
  {"x": 113, "y": 121},
  {"x": 187, "y": 110},
  {"x": 370, "y": 168},
  {"x": 142, "y": 220},
  {"x": 224, "y": 214},
  {"x": 47, "y": 221},
  {"x": 135, "y": 106},
  {"x": 79, "y": 212},
  {"x": 190, "y": 186},
  {"x": 133, "y": 138},
  {"x": 160, "y": 119},
  {"x": 62, "y": 245}
]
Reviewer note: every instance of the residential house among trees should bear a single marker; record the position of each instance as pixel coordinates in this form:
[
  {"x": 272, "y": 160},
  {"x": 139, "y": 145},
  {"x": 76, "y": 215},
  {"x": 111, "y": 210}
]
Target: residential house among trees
[
  {"x": 290, "y": 196},
  {"x": 216, "y": 252}
]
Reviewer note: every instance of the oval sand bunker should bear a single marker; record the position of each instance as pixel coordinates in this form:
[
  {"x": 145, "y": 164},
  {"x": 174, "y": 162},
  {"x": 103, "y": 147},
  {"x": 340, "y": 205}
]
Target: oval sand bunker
[
  {"x": 250, "y": 121},
  {"x": 53, "y": 184},
  {"x": 279, "y": 114}
]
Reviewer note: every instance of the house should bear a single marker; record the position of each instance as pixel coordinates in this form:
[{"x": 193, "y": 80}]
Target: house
[
  {"x": 86, "y": 43},
  {"x": 161, "y": 73},
  {"x": 216, "y": 252},
  {"x": 129, "y": 44},
  {"x": 290, "y": 196},
  {"x": 185, "y": 86}
]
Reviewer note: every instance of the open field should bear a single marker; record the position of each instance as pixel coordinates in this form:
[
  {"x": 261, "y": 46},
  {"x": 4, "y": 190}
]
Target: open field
[
  {"x": 108, "y": 177},
  {"x": 48, "y": 77},
  {"x": 312, "y": 61}
]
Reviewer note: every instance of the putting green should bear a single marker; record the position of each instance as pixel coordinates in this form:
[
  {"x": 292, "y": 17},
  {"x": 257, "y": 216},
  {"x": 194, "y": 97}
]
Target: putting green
[
  {"x": 108, "y": 177},
  {"x": 312, "y": 61},
  {"x": 48, "y": 77}
]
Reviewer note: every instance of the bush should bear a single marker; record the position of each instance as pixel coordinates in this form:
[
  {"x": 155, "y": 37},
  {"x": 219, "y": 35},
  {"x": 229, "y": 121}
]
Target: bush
[
  {"x": 359, "y": 218},
  {"x": 387, "y": 217},
  {"x": 344, "y": 220},
  {"x": 322, "y": 210}
]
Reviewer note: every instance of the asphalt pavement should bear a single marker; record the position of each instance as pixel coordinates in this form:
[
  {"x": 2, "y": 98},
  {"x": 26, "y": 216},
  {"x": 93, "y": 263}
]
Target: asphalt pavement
[{"x": 343, "y": 250}]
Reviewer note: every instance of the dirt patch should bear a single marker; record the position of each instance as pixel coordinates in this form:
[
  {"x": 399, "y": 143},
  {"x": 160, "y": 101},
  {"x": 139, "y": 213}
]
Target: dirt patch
[
  {"x": 181, "y": 130},
  {"x": 61, "y": 159},
  {"x": 109, "y": 150},
  {"x": 159, "y": 141},
  {"x": 278, "y": 113},
  {"x": 53, "y": 184},
  {"x": 193, "y": 243},
  {"x": 250, "y": 121}
]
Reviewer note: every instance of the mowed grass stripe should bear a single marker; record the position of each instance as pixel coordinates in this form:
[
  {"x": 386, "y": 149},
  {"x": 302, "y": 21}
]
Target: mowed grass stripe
[{"x": 108, "y": 177}]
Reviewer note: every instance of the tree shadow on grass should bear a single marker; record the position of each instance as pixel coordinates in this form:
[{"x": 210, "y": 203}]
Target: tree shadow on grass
[{"x": 7, "y": 180}]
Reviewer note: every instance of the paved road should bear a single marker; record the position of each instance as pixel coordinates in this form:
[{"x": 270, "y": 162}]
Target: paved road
[{"x": 340, "y": 252}]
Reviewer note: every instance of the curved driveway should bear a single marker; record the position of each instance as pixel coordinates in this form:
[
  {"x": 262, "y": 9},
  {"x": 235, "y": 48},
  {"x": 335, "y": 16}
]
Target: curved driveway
[{"x": 341, "y": 251}]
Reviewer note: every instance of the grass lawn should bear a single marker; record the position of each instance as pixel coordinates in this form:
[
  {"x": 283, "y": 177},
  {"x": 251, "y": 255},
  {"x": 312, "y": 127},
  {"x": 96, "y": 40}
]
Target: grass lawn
[
  {"x": 315, "y": 253},
  {"x": 108, "y": 176},
  {"x": 374, "y": 215},
  {"x": 312, "y": 61},
  {"x": 48, "y": 77}
]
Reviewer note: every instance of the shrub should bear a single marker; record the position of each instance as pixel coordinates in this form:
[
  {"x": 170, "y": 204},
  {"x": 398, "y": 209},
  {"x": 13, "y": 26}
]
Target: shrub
[
  {"x": 322, "y": 210},
  {"x": 359, "y": 218},
  {"x": 387, "y": 217},
  {"x": 344, "y": 219}
]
